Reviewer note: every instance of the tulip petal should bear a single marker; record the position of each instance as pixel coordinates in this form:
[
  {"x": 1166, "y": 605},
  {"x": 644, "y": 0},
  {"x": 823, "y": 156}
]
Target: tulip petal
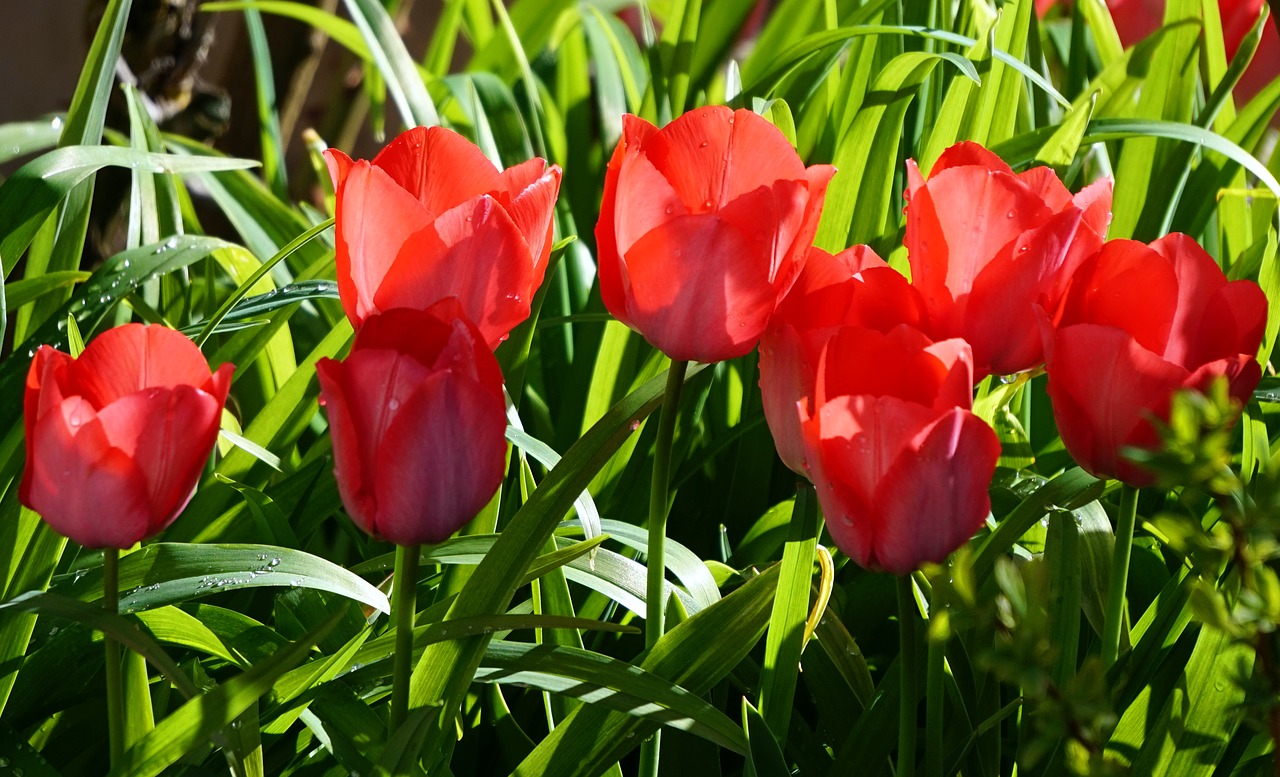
[
  {"x": 1045, "y": 184},
  {"x": 934, "y": 497},
  {"x": 999, "y": 319},
  {"x": 608, "y": 255},
  {"x": 351, "y": 466},
  {"x": 43, "y": 387},
  {"x": 1241, "y": 371},
  {"x": 339, "y": 165},
  {"x": 532, "y": 208},
  {"x": 1103, "y": 292},
  {"x": 440, "y": 460},
  {"x": 970, "y": 154},
  {"x": 850, "y": 443},
  {"x": 438, "y": 167},
  {"x": 364, "y": 394},
  {"x": 948, "y": 246},
  {"x": 1233, "y": 322},
  {"x": 643, "y": 200},
  {"x": 786, "y": 379},
  {"x": 713, "y": 155},
  {"x": 1198, "y": 280},
  {"x": 473, "y": 252},
  {"x": 168, "y": 434},
  {"x": 698, "y": 289},
  {"x": 863, "y": 361},
  {"x": 80, "y": 485},
  {"x": 375, "y": 218},
  {"x": 1095, "y": 201},
  {"x": 771, "y": 218},
  {"x": 1103, "y": 386},
  {"x": 129, "y": 358}
]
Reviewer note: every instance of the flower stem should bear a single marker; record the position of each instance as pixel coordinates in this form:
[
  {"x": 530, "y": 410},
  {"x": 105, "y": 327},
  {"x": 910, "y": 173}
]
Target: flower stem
[
  {"x": 403, "y": 609},
  {"x": 115, "y": 684},
  {"x": 1114, "y": 616},
  {"x": 936, "y": 668},
  {"x": 655, "y": 601},
  {"x": 907, "y": 672}
]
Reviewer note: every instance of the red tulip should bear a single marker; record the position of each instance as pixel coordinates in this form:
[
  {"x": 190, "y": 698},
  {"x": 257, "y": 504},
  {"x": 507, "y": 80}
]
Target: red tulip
[
  {"x": 417, "y": 418},
  {"x": 900, "y": 464},
  {"x": 431, "y": 217},
  {"x": 987, "y": 246},
  {"x": 117, "y": 439},
  {"x": 852, "y": 288},
  {"x": 703, "y": 227},
  {"x": 1137, "y": 324}
]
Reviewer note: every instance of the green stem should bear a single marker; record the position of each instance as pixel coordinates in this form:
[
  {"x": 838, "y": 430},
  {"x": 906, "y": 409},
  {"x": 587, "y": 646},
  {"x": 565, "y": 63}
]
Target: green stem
[
  {"x": 655, "y": 601},
  {"x": 115, "y": 684},
  {"x": 936, "y": 666},
  {"x": 403, "y": 610},
  {"x": 907, "y": 673},
  {"x": 1114, "y": 616}
]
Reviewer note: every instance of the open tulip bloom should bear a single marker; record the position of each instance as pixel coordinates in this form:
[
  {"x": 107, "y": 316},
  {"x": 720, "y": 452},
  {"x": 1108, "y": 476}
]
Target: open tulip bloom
[
  {"x": 116, "y": 439},
  {"x": 987, "y": 245},
  {"x": 1137, "y": 324},
  {"x": 703, "y": 227},
  {"x": 431, "y": 217},
  {"x": 418, "y": 422}
]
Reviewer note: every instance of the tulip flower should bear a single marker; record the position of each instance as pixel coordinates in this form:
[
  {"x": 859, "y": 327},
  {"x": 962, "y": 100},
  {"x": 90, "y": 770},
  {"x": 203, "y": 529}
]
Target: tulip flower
[
  {"x": 116, "y": 439},
  {"x": 852, "y": 288},
  {"x": 704, "y": 226},
  {"x": 900, "y": 463},
  {"x": 431, "y": 217},
  {"x": 417, "y": 418},
  {"x": 1139, "y": 323},
  {"x": 987, "y": 245}
]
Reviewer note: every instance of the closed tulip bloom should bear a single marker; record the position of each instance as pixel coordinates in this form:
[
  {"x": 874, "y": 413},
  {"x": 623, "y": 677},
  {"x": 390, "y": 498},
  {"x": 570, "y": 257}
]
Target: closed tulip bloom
[
  {"x": 417, "y": 418},
  {"x": 431, "y": 217},
  {"x": 852, "y": 288},
  {"x": 1138, "y": 324},
  {"x": 900, "y": 464},
  {"x": 116, "y": 439},
  {"x": 987, "y": 246},
  {"x": 704, "y": 226}
]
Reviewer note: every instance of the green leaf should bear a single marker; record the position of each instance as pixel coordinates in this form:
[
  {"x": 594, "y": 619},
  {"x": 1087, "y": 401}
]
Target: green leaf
[
  {"x": 444, "y": 671},
  {"x": 117, "y": 627},
  {"x": 765, "y": 758},
  {"x": 1068, "y": 490},
  {"x": 190, "y": 725},
  {"x": 21, "y": 292},
  {"x": 166, "y": 573},
  {"x": 784, "y": 640},
  {"x": 859, "y": 200},
  {"x": 1061, "y": 553},
  {"x": 393, "y": 61},
  {"x": 695, "y": 655},
  {"x": 598, "y": 679},
  {"x": 30, "y": 194},
  {"x": 1201, "y": 712},
  {"x": 20, "y": 138}
]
